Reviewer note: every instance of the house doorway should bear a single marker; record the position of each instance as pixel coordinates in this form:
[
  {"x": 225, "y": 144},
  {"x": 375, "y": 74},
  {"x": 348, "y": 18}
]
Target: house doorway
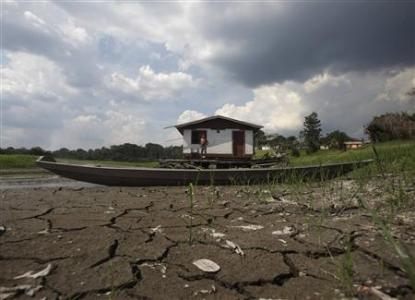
[{"x": 238, "y": 143}]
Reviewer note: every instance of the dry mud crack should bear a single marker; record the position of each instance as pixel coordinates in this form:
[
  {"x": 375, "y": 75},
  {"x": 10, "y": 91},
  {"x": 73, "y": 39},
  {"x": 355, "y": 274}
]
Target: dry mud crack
[{"x": 140, "y": 243}]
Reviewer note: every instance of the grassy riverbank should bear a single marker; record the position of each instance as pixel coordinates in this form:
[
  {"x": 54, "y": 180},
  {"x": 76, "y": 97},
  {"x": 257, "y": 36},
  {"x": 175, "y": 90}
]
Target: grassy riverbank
[
  {"x": 388, "y": 151},
  {"x": 395, "y": 154},
  {"x": 22, "y": 161},
  {"x": 17, "y": 161}
]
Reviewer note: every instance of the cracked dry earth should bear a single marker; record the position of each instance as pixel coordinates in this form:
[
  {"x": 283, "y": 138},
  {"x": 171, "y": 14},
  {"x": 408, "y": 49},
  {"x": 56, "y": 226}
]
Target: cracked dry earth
[{"x": 140, "y": 243}]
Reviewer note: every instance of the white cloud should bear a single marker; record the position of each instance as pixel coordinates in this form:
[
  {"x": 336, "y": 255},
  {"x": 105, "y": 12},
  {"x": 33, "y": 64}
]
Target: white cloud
[
  {"x": 347, "y": 102},
  {"x": 73, "y": 34},
  {"x": 180, "y": 31},
  {"x": 151, "y": 85},
  {"x": 93, "y": 131},
  {"x": 322, "y": 80},
  {"x": 398, "y": 85},
  {"x": 276, "y": 107},
  {"x": 190, "y": 115},
  {"x": 95, "y": 46},
  {"x": 34, "y": 19},
  {"x": 34, "y": 77}
]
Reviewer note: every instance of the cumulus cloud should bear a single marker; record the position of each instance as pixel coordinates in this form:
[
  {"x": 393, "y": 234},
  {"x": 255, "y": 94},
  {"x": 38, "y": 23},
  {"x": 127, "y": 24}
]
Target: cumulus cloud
[
  {"x": 324, "y": 79},
  {"x": 69, "y": 66},
  {"x": 276, "y": 107},
  {"x": 190, "y": 115},
  {"x": 398, "y": 86},
  {"x": 151, "y": 85},
  {"x": 34, "y": 77},
  {"x": 35, "y": 20},
  {"x": 92, "y": 131},
  {"x": 73, "y": 34},
  {"x": 262, "y": 43},
  {"x": 35, "y": 96},
  {"x": 346, "y": 103}
]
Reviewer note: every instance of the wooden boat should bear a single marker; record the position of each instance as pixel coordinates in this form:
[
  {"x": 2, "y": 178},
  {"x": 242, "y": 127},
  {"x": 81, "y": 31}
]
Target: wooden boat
[{"x": 163, "y": 177}]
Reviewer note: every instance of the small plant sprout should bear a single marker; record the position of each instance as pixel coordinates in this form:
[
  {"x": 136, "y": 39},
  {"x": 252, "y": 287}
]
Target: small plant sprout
[
  {"x": 405, "y": 256},
  {"x": 191, "y": 195},
  {"x": 212, "y": 190},
  {"x": 346, "y": 268}
]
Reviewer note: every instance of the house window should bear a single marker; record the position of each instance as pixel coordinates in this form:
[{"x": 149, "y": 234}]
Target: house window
[{"x": 196, "y": 134}]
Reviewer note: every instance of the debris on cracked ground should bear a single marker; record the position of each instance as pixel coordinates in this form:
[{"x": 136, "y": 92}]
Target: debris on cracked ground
[
  {"x": 374, "y": 291},
  {"x": 282, "y": 251},
  {"x": 27, "y": 289},
  {"x": 213, "y": 233},
  {"x": 157, "y": 229},
  {"x": 212, "y": 290},
  {"x": 287, "y": 230},
  {"x": 234, "y": 247},
  {"x": 283, "y": 241},
  {"x": 31, "y": 274},
  {"x": 206, "y": 265},
  {"x": 44, "y": 231},
  {"x": 249, "y": 227}
]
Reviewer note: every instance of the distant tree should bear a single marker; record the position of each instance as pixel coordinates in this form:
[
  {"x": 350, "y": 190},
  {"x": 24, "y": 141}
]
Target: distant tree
[
  {"x": 260, "y": 138},
  {"x": 173, "y": 152},
  {"x": 9, "y": 150},
  {"x": 154, "y": 151},
  {"x": 311, "y": 132},
  {"x": 81, "y": 153},
  {"x": 62, "y": 152},
  {"x": 295, "y": 151},
  {"x": 124, "y": 152},
  {"x": 277, "y": 141},
  {"x": 391, "y": 126},
  {"x": 291, "y": 139},
  {"x": 335, "y": 139},
  {"x": 292, "y": 144},
  {"x": 37, "y": 151}
]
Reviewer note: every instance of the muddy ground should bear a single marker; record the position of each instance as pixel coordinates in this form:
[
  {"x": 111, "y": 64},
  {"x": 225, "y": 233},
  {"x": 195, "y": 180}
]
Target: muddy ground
[{"x": 271, "y": 242}]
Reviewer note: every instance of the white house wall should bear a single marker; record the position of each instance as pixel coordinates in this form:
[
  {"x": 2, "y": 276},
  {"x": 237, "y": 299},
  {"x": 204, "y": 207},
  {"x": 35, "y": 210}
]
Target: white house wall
[
  {"x": 249, "y": 142},
  {"x": 219, "y": 142}
]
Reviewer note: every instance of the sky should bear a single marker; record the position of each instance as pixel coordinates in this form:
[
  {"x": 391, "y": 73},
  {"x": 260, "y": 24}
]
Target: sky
[{"x": 87, "y": 74}]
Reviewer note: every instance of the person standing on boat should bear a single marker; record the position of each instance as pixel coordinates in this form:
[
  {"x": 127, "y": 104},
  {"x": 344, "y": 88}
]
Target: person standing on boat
[{"x": 203, "y": 145}]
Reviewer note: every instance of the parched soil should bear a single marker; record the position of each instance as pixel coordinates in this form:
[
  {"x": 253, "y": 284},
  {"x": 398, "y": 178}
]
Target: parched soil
[{"x": 277, "y": 242}]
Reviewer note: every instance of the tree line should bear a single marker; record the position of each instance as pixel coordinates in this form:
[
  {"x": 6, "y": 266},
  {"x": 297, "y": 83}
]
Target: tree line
[
  {"x": 309, "y": 139},
  {"x": 386, "y": 127},
  {"x": 124, "y": 152},
  {"x": 392, "y": 126}
]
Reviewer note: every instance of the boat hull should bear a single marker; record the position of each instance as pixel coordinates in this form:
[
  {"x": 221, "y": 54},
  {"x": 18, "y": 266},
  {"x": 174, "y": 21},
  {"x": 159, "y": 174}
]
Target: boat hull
[{"x": 167, "y": 177}]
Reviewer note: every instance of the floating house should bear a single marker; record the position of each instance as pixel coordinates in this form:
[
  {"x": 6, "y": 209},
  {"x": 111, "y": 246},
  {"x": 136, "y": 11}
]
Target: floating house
[{"x": 227, "y": 138}]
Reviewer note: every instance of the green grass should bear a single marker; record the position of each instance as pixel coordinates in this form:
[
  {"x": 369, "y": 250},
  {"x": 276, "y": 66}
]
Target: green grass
[
  {"x": 17, "y": 161},
  {"x": 395, "y": 154},
  {"x": 261, "y": 154},
  {"x": 394, "y": 157},
  {"x": 387, "y": 151},
  {"x": 23, "y": 161}
]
